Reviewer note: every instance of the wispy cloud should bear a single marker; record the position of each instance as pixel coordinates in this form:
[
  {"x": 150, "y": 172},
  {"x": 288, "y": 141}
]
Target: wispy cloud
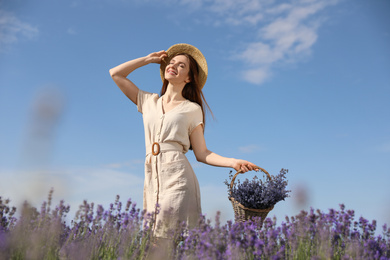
[
  {"x": 384, "y": 147},
  {"x": 252, "y": 148},
  {"x": 12, "y": 30},
  {"x": 71, "y": 31},
  {"x": 276, "y": 33},
  {"x": 288, "y": 37},
  {"x": 282, "y": 32}
]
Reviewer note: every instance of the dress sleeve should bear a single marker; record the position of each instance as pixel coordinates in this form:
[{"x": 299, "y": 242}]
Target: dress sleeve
[
  {"x": 196, "y": 119},
  {"x": 141, "y": 98}
]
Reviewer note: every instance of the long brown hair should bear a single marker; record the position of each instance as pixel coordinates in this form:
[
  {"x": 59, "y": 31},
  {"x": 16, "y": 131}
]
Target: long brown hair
[{"x": 192, "y": 90}]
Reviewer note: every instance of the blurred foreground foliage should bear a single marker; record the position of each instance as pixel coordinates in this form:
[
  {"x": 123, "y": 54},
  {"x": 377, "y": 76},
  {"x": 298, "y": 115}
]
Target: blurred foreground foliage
[{"x": 126, "y": 233}]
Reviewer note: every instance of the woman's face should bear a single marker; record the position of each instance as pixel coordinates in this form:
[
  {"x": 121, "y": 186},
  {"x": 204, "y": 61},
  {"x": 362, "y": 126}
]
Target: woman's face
[{"x": 177, "y": 71}]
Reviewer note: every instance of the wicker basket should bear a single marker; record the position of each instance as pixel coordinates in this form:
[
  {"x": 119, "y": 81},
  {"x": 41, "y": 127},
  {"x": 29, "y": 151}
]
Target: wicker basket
[{"x": 242, "y": 213}]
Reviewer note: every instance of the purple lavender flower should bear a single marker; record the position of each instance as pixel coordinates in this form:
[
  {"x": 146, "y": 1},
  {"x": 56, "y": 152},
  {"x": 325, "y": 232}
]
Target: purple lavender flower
[
  {"x": 128, "y": 234},
  {"x": 260, "y": 194}
]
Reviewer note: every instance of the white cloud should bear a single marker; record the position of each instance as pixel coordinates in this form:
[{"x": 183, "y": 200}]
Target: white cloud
[
  {"x": 250, "y": 148},
  {"x": 257, "y": 75},
  {"x": 71, "y": 31},
  {"x": 261, "y": 53},
  {"x": 283, "y": 33},
  {"x": 384, "y": 148},
  {"x": 12, "y": 30},
  {"x": 287, "y": 38},
  {"x": 238, "y": 13},
  {"x": 278, "y": 9}
]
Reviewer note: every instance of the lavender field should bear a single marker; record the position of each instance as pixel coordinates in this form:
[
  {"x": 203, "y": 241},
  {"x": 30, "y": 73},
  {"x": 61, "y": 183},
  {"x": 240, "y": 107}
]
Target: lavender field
[{"x": 124, "y": 232}]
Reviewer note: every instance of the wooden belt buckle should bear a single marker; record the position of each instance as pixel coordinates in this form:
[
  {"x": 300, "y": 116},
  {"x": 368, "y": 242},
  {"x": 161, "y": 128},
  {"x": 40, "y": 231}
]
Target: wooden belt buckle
[{"x": 158, "y": 148}]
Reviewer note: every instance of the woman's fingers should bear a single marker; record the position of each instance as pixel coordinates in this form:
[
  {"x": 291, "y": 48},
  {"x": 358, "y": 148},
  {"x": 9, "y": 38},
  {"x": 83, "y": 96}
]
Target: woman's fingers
[
  {"x": 157, "y": 57},
  {"x": 245, "y": 167},
  {"x": 253, "y": 167},
  {"x": 161, "y": 52},
  {"x": 161, "y": 55}
]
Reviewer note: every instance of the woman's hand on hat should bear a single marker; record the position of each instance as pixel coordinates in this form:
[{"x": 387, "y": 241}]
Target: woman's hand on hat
[
  {"x": 244, "y": 166},
  {"x": 156, "y": 57}
]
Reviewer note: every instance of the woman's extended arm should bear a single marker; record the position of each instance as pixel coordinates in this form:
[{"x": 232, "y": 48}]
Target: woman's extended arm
[
  {"x": 119, "y": 73},
  {"x": 202, "y": 154}
]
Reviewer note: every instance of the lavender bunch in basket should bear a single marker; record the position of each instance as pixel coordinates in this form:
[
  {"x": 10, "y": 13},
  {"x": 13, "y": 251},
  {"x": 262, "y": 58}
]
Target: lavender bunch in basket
[{"x": 258, "y": 193}]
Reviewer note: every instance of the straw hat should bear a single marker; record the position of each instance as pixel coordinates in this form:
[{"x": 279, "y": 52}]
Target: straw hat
[{"x": 194, "y": 53}]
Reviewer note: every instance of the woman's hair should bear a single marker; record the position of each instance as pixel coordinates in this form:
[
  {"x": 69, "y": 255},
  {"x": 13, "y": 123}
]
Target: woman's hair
[{"x": 191, "y": 91}]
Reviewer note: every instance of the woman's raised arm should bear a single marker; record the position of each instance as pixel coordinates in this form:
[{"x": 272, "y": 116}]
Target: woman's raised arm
[{"x": 119, "y": 73}]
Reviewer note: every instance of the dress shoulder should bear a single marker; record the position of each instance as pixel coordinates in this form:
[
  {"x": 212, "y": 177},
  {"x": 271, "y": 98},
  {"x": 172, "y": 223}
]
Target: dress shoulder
[
  {"x": 143, "y": 97},
  {"x": 195, "y": 116},
  {"x": 193, "y": 106}
]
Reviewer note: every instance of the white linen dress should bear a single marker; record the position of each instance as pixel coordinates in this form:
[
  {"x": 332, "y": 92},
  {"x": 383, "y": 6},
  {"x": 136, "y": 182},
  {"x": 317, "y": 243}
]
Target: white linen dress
[{"x": 170, "y": 180}]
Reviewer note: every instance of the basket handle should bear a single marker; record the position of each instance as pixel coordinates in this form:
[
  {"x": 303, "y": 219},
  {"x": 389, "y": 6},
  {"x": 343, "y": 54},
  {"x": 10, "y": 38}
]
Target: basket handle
[{"x": 240, "y": 172}]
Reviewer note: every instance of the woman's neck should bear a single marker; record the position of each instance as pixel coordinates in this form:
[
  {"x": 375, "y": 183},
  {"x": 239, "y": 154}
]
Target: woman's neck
[{"x": 173, "y": 93}]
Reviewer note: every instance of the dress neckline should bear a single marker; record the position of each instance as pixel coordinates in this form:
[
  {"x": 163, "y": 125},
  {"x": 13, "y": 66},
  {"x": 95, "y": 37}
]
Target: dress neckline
[{"x": 175, "y": 107}]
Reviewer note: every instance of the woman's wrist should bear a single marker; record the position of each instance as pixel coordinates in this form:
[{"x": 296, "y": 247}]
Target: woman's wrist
[
  {"x": 142, "y": 61},
  {"x": 147, "y": 60},
  {"x": 232, "y": 163}
]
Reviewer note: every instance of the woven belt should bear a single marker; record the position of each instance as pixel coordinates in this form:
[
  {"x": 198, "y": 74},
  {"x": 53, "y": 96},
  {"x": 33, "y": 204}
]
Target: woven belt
[{"x": 156, "y": 148}]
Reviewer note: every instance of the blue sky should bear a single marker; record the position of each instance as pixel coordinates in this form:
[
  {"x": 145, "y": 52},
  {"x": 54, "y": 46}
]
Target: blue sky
[{"x": 302, "y": 85}]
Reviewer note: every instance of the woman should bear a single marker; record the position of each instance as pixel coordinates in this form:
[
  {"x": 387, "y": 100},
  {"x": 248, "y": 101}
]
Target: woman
[{"x": 174, "y": 123}]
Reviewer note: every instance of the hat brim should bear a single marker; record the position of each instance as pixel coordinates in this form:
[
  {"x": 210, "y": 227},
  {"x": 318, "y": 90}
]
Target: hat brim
[{"x": 194, "y": 53}]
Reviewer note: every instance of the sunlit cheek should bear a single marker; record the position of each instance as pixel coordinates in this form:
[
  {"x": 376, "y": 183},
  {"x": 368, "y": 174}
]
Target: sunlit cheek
[{"x": 185, "y": 72}]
